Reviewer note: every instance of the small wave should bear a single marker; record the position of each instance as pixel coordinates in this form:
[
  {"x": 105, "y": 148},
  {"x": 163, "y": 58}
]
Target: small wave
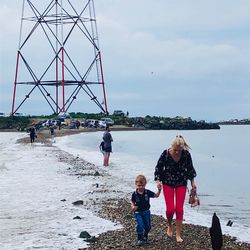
[
  {"x": 206, "y": 195},
  {"x": 220, "y": 205}
]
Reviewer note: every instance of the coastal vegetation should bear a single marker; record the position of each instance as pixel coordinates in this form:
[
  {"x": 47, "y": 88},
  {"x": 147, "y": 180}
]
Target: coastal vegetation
[
  {"x": 14, "y": 122},
  {"x": 235, "y": 122},
  {"x": 147, "y": 122},
  {"x": 166, "y": 123}
]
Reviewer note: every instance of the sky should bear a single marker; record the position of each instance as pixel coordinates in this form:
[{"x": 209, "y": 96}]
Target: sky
[{"x": 164, "y": 58}]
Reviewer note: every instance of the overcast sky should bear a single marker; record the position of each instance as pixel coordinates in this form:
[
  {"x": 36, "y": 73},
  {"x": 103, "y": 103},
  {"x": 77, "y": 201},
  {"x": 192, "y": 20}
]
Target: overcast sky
[{"x": 160, "y": 57}]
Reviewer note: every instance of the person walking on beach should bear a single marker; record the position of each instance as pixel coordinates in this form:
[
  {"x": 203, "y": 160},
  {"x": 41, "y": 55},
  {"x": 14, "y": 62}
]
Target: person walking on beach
[
  {"x": 107, "y": 138},
  {"x": 32, "y": 134},
  {"x": 52, "y": 133},
  {"x": 174, "y": 168},
  {"x": 140, "y": 205}
]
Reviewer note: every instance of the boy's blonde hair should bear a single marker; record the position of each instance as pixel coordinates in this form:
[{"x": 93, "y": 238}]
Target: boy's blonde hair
[
  {"x": 141, "y": 179},
  {"x": 179, "y": 141}
]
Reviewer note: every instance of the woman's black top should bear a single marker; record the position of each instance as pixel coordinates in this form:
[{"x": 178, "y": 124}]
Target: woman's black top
[{"x": 173, "y": 173}]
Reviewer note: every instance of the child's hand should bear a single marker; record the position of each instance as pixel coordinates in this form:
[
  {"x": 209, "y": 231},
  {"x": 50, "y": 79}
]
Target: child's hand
[{"x": 134, "y": 208}]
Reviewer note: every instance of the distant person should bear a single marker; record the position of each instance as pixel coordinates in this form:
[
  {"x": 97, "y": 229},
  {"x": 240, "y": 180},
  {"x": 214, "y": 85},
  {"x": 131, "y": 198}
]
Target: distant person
[
  {"x": 140, "y": 205},
  {"x": 77, "y": 124},
  {"x": 52, "y": 133},
  {"x": 174, "y": 168},
  {"x": 107, "y": 138},
  {"x": 32, "y": 134},
  {"x": 59, "y": 124}
]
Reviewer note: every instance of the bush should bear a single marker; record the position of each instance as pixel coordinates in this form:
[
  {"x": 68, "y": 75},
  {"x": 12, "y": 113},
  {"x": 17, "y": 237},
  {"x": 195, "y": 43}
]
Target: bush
[{"x": 14, "y": 122}]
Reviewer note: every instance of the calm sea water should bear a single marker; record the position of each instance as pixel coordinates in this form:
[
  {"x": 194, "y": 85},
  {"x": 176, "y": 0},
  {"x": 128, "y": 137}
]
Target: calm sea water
[{"x": 220, "y": 158}]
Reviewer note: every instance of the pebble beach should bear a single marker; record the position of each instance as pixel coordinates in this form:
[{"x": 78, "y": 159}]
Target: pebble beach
[
  {"x": 118, "y": 211},
  {"x": 195, "y": 237}
]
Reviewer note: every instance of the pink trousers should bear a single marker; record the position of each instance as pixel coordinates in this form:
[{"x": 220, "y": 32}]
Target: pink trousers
[{"x": 174, "y": 199}]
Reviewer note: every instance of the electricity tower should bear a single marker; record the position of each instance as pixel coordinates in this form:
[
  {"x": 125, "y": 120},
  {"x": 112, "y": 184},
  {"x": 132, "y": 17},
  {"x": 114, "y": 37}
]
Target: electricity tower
[{"x": 58, "y": 56}]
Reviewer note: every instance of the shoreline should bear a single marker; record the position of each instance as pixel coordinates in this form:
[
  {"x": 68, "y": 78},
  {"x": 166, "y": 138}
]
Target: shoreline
[
  {"x": 43, "y": 136},
  {"x": 118, "y": 211}
]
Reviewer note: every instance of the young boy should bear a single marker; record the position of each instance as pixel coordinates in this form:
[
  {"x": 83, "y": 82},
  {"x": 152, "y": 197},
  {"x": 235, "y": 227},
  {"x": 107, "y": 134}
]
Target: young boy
[{"x": 140, "y": 205}]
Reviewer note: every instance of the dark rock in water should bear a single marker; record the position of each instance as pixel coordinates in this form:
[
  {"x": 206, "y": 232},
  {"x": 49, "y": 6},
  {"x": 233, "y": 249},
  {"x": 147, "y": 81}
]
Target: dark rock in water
[
  {"x": 85, "y": 235},
  {"x": 91, "y": 239},
  {"x": 63, "y": 200},
  {"x": 229, "y": 223},
  {"x": 216, "y": 233},
  {"x": 77, "y": 218},
  {"x": 80, "y": 202},
  {"x": 96, "y": 173}
]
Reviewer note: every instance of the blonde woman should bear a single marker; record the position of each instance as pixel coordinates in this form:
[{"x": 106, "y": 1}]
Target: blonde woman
[{"x": 172, "y": 172}]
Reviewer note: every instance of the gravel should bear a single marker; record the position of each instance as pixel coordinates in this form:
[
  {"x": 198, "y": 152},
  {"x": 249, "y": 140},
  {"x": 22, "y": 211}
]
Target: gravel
[{"x": 194, "y": 236}]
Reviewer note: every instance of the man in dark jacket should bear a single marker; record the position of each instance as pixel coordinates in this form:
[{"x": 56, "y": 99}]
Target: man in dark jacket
[{"x": 32, "y": 134}]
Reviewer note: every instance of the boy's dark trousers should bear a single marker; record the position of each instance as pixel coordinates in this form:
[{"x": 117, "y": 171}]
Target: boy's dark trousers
[{"x": 143, "y": 219}]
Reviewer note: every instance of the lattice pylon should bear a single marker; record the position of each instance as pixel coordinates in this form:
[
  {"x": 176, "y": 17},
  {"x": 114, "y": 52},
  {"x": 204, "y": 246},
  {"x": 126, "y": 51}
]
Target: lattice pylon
[{"x": 59, "y": 54}]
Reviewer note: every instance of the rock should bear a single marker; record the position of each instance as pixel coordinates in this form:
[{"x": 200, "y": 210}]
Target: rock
[
  {"x": 77, "y": 218},
  {"x": 96, "y": 173},
  {"x": 85, "y": 235},
  {"x": 229, "y": 223},
  {"x": 79, "y": 202}
]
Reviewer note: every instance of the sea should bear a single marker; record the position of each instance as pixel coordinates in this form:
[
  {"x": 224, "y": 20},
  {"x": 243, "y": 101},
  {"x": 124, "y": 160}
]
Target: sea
[{"x": 220, "y": 158}]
